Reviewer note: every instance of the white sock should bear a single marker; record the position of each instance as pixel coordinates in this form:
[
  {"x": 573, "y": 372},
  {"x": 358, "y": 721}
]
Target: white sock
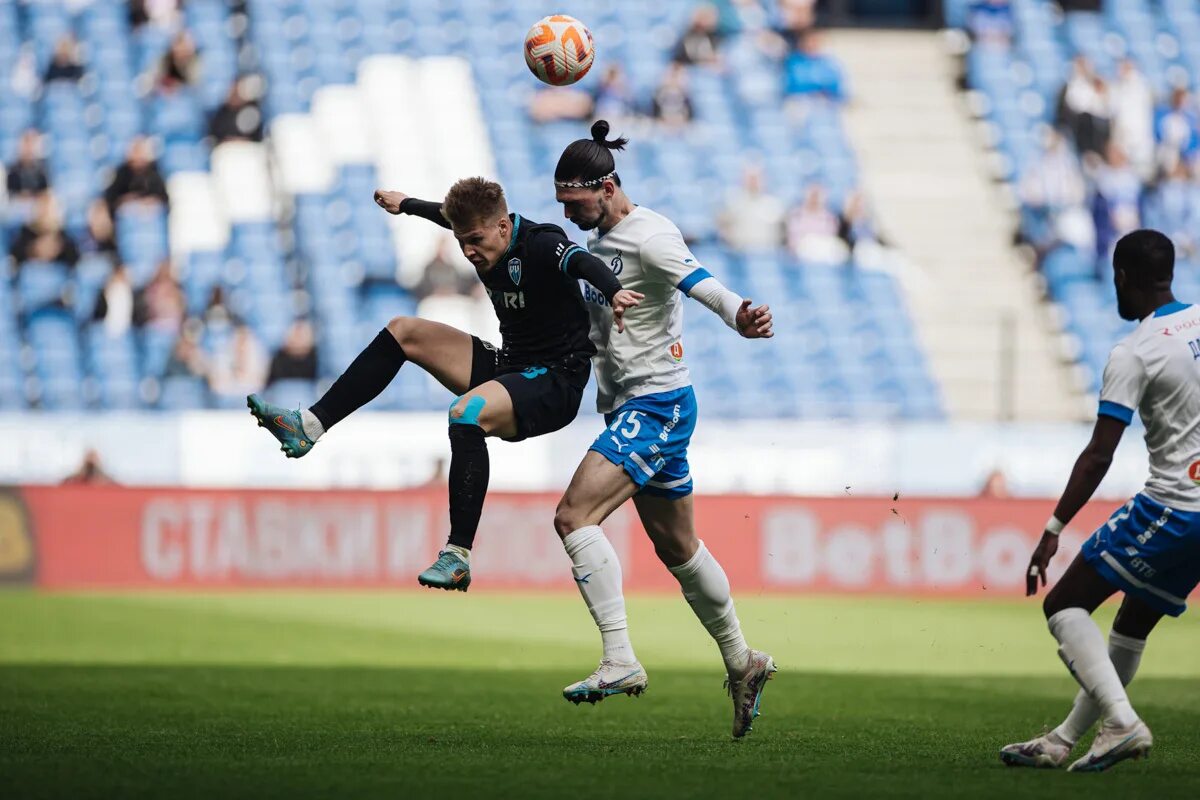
[
  {"x": 706, "y": 589},
  {"x": 1125, "y": 652},
  {"x": 598, "y": 575},
  {"x": 313, "y": 428},
  {"x": 459, "y": 551},
  {"x": 1081, "y": 647}
]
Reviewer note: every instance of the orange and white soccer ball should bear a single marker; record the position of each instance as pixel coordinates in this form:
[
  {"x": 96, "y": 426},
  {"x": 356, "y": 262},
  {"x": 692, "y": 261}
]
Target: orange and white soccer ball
[{"x": 559, "y": 50}]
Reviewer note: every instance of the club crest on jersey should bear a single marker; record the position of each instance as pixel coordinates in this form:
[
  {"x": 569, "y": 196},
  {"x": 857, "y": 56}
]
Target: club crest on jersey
[
  {"x": 677, "y": 351},
  {"x": 617, "y": 264},
  {"x": 514, "y": 270},
  {"x": 1194, "y": 472}
]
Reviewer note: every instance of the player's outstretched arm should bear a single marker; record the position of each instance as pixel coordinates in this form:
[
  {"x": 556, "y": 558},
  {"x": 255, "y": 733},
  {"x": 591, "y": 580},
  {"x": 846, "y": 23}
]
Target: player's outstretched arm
[
  {"x": 579, "y": 263},
  {"x": 400, "y": 203},
  {"x": 1089, "y": 470}
]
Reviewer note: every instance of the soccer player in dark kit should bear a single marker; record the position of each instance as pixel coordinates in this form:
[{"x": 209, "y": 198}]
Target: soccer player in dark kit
[{"x": 530, "y": 386}]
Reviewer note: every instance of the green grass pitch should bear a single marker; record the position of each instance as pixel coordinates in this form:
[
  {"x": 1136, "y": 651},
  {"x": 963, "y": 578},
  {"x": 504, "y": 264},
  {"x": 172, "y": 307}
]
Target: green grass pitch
[{"x": 415, "y": 695}]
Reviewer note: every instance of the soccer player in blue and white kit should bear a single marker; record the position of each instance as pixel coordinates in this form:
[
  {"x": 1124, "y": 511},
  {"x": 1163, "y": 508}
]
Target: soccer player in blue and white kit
[
  {"x": 1150, "y": 547},
  {"x": 645, "y": 393}
]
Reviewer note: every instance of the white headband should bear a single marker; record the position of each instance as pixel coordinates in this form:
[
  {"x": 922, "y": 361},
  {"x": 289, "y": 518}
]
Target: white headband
[{"x": 585, "y": 184}]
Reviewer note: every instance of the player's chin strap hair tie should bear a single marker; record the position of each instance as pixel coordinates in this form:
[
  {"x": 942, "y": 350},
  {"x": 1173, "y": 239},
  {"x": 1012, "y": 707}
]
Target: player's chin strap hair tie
[{"x": 585, "y": 184}]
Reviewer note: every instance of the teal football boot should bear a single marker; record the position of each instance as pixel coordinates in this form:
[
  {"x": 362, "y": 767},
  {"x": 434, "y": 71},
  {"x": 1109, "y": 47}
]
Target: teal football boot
[
  {"x": 284, "y": 424},
  {"x": 449, "y": 572}
]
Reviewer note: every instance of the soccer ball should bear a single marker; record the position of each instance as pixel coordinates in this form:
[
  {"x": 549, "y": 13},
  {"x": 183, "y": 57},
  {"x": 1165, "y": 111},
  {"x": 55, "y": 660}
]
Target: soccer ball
[{"x": 559, "y": 50}]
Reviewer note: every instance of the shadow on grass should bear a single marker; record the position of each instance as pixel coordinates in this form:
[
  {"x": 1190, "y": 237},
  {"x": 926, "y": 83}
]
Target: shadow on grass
[{"x": 241, "y": 731}]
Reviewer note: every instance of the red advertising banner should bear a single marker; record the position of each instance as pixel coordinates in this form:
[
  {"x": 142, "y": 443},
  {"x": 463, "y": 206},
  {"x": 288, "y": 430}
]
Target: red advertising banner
[{"x": 74, "y": 537}]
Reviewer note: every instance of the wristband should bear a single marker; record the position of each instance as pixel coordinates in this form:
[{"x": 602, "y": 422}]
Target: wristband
[{"x": 1054, "y": 525}]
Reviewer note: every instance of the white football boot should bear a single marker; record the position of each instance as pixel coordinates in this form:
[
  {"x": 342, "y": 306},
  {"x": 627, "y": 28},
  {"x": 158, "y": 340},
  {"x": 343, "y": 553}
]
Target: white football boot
[
  {"x": 747, "y": 690},
  {"x": 1046, "y": 752},
  {"x": 609, "y": 678},
  {"x": 1113, "y": 745}
]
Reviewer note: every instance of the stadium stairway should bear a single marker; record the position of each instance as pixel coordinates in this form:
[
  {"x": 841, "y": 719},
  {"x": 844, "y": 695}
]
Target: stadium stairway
[{"x": 975, "y": 305}]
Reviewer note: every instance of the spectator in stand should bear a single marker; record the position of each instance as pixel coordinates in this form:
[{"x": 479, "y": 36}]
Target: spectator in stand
[
  {"x": 560, "y": 103},
  {"x": 43, "y": 238},
  {"x": 216, "y": 309},
  {"x": 101, "y": 235},
  {"x": 238, "y": 118},
  {"x": 66, "y": 64},
  {"x": 443, "y": 275},
  {"x": 810, "y": 73},
  {"x": 161, "y": 13},
  {"x": 297, "y": 358},
  {"x": 161, "y": 304},
  {"x": 1116, "y": 202},
  {"x": 1052, "y": 191},
  {"x": 700, "y": 42},
  {"x": 180, "y": 65},
  {"x": 1174, "y": 208},
  {"x": 672, "y": 105},
  {"x": 1177, "y": 127},
  {"x": 187, "y": 357},
  {"x": 1083, "y": 107},
  {"x": 90, "y": 473},
  {"x": 752, "y": 218},
  {"x": 855, "y": 226},
  {"x": 613, "y": 98},
  {"x": 797, "y": 18},
  {"x": 136, "y": 180},
  {"x": 27, "y": 176},
  {"x": 116, "y": 302},
  {"x": 990, "y": 23},
  {"x": 1133, "y": 117},
  {"x": 812, "y": 230},
  {"x": 242, "y": 368}
]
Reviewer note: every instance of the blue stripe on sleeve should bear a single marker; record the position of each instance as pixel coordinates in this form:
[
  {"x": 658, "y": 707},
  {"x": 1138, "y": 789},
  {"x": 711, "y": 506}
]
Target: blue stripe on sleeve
[
  {"x": 687, "y": 284},
  {"x": 1116, "y": 411},
  {"x": 566, "y": 256}
]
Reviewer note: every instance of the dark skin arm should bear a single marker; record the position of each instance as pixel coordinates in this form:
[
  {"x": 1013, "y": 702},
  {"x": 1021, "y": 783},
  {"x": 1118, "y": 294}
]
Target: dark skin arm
[{"x": 1090, "y": 469}]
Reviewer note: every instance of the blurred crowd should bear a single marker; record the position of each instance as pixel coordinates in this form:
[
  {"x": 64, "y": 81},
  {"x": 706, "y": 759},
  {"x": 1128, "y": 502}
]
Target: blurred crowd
[
  {"x": 1117, "y": 157},
  {"x": 752, "y": 218},
  {"x": 40, "y": 237}
]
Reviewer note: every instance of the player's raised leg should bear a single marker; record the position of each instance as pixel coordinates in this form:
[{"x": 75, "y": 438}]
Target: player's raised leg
[
  {"x": 486, "y": 410},
  {"x": 442, "y": 351},
  {"x": 666, "y": 510},
  {"x": 597, "y": 489}
]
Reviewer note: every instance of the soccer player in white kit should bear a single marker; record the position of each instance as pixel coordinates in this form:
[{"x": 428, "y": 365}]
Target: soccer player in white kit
[
  {"x": 1150, "y": 548},
  {"x": 645, "y": 393}
]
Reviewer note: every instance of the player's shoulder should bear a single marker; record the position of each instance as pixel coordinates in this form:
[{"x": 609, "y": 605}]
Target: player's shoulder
[
  {"x": 649, "y": 222},
  {"x": 529, "y": 230}
]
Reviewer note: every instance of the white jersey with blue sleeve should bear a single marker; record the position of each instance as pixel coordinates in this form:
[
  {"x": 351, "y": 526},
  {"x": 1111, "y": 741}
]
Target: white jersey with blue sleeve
[
  {"x": 647, "y": 252},
  {"x": 1156, "y": 371}
]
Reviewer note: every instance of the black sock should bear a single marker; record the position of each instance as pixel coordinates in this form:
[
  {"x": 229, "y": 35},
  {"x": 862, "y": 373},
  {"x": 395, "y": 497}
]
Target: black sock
[
  {"x": 469, "y": 469},
  {"x": 367, "y": 376}
]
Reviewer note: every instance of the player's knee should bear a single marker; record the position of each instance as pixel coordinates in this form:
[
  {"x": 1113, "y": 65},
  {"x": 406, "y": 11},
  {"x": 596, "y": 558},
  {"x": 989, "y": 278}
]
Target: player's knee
[
  {"x": 465, "y": 410},
  {"x": 567, "y": 519},
  {"x": 402, "y": 330}
]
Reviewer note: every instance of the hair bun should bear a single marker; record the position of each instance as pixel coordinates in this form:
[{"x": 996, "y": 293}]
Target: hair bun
[{"x": 600, "y": 129}]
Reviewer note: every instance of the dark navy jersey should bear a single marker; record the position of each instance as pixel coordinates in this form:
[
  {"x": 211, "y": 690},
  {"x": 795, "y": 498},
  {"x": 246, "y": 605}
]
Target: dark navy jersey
[
  {"x": 539, "y": 304},
  {"x": 535, "y": 289}
]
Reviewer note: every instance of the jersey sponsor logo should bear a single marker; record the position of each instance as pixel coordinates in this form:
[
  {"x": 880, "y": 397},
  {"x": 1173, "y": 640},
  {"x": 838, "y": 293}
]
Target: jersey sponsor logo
[
  {"x": 514, "y": 270},
  {"x": 1194, "y": 472},
  {"x": 617, "y": 263},
  {"x": 592, "y": 295},
  {"x": 503, "y": 300},
  {"x": 677, "y": 351}
]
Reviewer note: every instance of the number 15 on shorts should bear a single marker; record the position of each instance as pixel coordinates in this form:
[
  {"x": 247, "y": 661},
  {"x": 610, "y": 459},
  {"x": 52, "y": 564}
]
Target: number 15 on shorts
[{"x": 633, "y": 425}]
